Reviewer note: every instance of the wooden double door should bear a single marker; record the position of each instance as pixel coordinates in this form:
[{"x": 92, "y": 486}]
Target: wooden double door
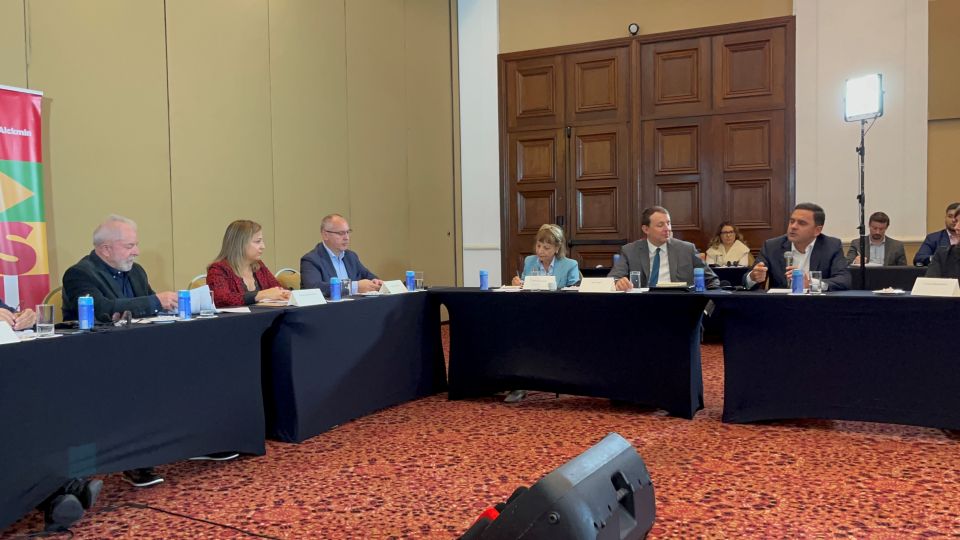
[
  {"x": 700, "y": 124},
  {"x": 566, "y": 153}
]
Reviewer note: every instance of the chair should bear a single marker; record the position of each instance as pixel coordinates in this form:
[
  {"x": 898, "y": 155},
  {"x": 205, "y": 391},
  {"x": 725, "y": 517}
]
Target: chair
[
  {"x": 55, "y": 297},
  {"x": 198, "y": 281},
  {"x": 288, "y": 278}
]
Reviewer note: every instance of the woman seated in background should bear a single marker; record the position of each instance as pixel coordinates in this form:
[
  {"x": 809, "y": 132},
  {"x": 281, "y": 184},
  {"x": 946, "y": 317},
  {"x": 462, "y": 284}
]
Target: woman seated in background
[
  {"x": 728, "y": 247},
  {"x": 238, "y": 277},
  {"x": 550, "y": 259}
]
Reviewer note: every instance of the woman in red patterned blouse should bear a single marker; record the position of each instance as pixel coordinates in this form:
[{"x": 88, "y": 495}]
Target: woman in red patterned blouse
[{"x": 238, "y": 277}]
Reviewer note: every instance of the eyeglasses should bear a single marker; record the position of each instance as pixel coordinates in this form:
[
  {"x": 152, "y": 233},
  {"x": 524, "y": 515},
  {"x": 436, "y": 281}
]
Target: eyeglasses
[
  {"x": 339, "y": 233},
  {"x": 728, "y": 232}
]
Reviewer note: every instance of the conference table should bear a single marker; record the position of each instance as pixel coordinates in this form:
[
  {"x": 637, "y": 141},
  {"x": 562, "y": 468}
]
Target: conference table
[
  {"x": 637, "y": 348},
  {"x": 121, "y": 398},
  {"x": 325, "y": 365},
  {"x": 879, "y": 277},
  {"x": 846, "y": 356}
]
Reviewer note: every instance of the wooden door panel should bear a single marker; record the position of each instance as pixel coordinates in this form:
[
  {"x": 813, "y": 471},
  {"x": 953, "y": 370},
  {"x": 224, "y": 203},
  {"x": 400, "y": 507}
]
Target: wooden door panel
[
  {"x": 752, "y": 190},
  {"x": 676, "y": 174},
  {"x": 535, "y": 187},
  {"x": 534, "y": 90},
  {"x": 675, "y": 78},
  {"x": 597, "y": 86},
  {"x": 749, "y": 70},
  {"x": 600, "y": 183}
]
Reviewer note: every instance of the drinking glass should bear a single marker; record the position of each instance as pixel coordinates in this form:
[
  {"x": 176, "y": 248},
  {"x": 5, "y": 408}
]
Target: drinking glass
[
  {"x": 44, "y": 320},
  {"x": 418, "y": 281},
  {"x": 345, "y": 289},
  {"x": 816, "y": 282},
  {"x": 208, "y": 311},
  {"x": 635, "y": 279}
]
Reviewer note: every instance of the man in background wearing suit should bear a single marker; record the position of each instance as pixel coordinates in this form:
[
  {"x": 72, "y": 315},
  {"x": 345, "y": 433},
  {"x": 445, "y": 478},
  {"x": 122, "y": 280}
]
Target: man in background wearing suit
[
  {"x": 810, "y": 250},
  {"x": 946, "y": 237},
  {"x": 659, "y": 257},
  {"x": 331, "y": 258},
  {"x": 883, "y": 250}
]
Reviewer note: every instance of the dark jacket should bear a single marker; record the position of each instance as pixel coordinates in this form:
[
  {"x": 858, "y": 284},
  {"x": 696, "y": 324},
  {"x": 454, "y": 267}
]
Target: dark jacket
[
  {"x": 4, "y": 306},
  {"x": 945, "y": 263},
  {"x": 92, "y": 276},
  {"x": 316, "y": 269},
  {"x": 931, "y": 244},
  {"x": 827, "y": 257}
]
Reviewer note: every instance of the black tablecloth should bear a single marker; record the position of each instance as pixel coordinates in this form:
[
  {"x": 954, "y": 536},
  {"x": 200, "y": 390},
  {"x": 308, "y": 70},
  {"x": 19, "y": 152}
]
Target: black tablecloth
[
  {"x": 878, "y": 277},
  {"x": 640, "y": 348},
  {"x": 845, "y": 356},
  {"x": 125, "y": 398},
  {"x": 332, "y": 363}
]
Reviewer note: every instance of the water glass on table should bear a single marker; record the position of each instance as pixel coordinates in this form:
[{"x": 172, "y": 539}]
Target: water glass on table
[
  {"x": 345, "y": 285},
  {"x": 208, "y": 311},
  {"x": 816, "y": 282},
  {"x": 635, "y": 279},
  {"x": 418, "y": 280},
  {"x": 45, "y": 320}
]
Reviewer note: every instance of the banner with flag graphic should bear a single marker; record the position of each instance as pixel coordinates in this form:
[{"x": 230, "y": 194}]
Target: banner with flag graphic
[{"x": 24, "y": 268}]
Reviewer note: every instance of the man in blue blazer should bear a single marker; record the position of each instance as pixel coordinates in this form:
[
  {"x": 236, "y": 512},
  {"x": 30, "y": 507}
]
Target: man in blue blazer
[
  {"x": 331, "y": 258},
  {"x": 810, "y": 251},
  {"x": 944, "y": 238}
]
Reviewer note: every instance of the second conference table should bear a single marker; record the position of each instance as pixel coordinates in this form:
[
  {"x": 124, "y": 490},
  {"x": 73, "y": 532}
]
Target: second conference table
[
  {"x": 638, "y": 348},
  {"x": 846, "y": 356}
]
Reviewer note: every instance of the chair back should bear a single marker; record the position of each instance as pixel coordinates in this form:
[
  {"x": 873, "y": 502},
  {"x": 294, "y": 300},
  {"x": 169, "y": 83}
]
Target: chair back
[
  {"x": 197, "y": 281},
  {"x": 288, "y": 278},
  {"x": 55, "y": 297}
]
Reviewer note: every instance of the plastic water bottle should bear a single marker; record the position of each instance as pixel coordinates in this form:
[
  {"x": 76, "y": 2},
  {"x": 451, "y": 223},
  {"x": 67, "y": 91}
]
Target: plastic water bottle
[
  {"x": 484, "y": 280},
  {"x": 411, "y": 280},
  {"x": 797, "y": 281},
  {"x": 183, "y": 305},
  {"x": 698, "y": 280},
  {"x": 85, "y": 312},
  {"x": 335, "y": 288}
]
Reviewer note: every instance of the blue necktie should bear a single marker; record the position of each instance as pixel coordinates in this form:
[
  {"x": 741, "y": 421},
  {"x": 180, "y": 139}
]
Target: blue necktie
[{"x": 654, "y": 270}]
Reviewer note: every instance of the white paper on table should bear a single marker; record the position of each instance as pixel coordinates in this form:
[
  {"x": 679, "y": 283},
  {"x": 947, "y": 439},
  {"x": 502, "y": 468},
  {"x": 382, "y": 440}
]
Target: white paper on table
[
  {"x": 508, "y": 288},
  {"x": 540, "y": 283},
  {"x": 925, "y": 286},
  {"x": 638, "y": 291},
  {"x": 7, "y": 335},
  {"x": 598, "y": 284},
  {"x": 394, "y": 286},
  {"x": 157, "y": 319},
  {"x": 200, "y": 299},
  {"x": 233, "y": 310}
]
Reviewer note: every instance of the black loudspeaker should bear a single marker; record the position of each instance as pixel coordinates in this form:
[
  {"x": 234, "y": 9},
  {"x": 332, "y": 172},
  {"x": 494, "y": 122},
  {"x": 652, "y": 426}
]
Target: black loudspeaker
[{"x": 604, "y": 493}]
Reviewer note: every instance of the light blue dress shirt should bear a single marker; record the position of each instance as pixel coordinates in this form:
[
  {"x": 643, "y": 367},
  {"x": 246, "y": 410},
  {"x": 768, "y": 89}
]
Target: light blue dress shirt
[
  {"x": 566, "y": 270},
  {"x": 337, "y": 261}
]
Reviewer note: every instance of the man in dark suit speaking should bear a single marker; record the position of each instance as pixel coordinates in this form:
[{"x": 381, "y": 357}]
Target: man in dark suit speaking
[
  {"x": 331, "y": 258},
  {"x": 808, "y": 250},
  {"x": 659, "y": 257}
]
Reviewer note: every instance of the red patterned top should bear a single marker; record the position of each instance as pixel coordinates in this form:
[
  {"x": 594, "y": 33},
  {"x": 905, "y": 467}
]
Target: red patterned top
[{"x": 229, "y": 289}]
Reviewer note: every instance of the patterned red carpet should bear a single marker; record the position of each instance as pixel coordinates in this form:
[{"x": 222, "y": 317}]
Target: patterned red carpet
[{"x": 426, "y": 469}]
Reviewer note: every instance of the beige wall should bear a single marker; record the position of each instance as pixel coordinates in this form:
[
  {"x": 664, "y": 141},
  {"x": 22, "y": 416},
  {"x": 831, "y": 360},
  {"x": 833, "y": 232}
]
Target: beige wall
[
  {"x": 13, "y": 70},
  {"x": 943, "y": 160},
  {"x": 533, "y": 24},
  {"x": 186, "y": 114}
]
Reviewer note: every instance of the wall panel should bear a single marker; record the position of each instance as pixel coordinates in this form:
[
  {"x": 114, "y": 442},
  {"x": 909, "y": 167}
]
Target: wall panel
[
  {"x": 13, "y": 65},
  {"x": 377, "y": 135},
  {"x": 220, "y": 131},
  {"x": 101, "y": 65},
  {"x": 309, "y": 115},
  {"x": 429, "y": 140}
]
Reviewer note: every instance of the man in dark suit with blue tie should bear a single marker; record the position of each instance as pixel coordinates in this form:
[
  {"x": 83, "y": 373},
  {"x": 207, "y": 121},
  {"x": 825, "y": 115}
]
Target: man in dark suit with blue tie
[
  {"x": 331, "y": 258},
  {"x": 809, "y": 250}
]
